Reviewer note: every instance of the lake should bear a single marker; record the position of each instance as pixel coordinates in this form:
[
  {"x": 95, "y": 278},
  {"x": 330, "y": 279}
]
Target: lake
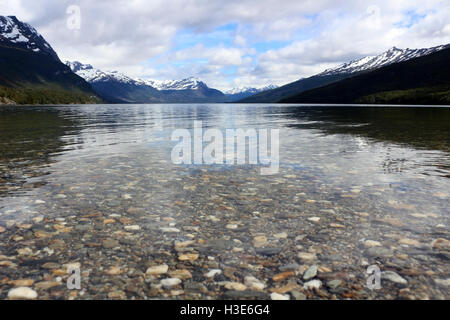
[{"x": 95, "y": 188}]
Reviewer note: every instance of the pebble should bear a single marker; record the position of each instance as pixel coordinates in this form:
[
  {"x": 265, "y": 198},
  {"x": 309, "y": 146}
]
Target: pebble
[
  {"x": 170, "y": 230},
  {"x": 278, "y": 296},
  {"x": 188, "y": 257},
  {"x": 410, "y": 242},
  {"x": 253, "y": 283},
  {"x": 313, "y": 284},
  {"x": 156, "y": 270},
  {"x": 259, "y": 241},
  {"x": 314, "y": 219},
  {"x": 170, "y": 282},
  {"x": 282, "y": 235},
  {"x": 394, "y": 277},
  {"x": 379, "y": 252},
  {"x": 132, "y": 228},
  {"x": 298, "y": 295},
  {"x": 283, "y": 275},
  {"x": 22, "y": 282},
  {"x": 182, "y": 274},
  {"x": 310, "y": 273},
  {"x": 372, "y": 243},
  {"x": 22, "y": 293},
  {"x": 334, "y": 284},
  {"x": 212, "y": 273},
  {"x": 440, "y": 243},
  {"x": 110, "y": 243},
  {"x": 306, "y": 256},
  {"x": 269, "y": 251},
  {"x": 235, "y": 286},
  {"x": 2, "y": 229}
]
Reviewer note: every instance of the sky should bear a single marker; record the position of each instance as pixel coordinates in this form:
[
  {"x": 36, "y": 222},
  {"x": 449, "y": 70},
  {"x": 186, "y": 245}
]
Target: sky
[{"x": 231, "y": 43}]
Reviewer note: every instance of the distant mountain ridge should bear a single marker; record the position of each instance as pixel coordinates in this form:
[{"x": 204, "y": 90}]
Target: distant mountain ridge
[
  {"x": 421, "y": 80},
  {"x": 236, "y": 94},
  {"x": 119, "y": 88},
  {"x": 393, "y": 55},
  {"x": 366, "y": 64}
]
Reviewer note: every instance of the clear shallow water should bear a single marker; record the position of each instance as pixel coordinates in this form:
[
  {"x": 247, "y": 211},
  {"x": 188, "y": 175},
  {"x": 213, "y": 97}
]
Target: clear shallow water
[{"x": 379, "y": 174}]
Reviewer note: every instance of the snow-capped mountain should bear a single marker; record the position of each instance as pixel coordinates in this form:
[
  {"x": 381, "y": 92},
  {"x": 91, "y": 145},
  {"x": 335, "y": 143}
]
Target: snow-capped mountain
[
  {"x": 346, "y": 70},
  {"x": 191, "y": 83},
  {"x": 393, "y": 55},
  {"x": 117, "y": 87},
  {"x": 21, "y": 35},
  {"x": 251, "y": 90},
  {"x": 244, "y": 92},
  {"x": 91, "y": 74}
]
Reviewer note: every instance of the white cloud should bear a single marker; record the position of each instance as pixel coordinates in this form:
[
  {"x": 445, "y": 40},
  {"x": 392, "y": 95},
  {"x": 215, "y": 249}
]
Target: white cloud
[{"x": 126, "y": 35}]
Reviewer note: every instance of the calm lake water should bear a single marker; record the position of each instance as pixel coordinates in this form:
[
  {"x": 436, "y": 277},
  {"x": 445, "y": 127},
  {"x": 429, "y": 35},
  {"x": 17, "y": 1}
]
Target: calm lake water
[{"x": 95, "y": 185}]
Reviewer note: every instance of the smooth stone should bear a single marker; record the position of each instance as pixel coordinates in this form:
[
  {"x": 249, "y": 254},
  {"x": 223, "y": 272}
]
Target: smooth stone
[
  {"x": 314, "y": 219},
  {"x": 253, "y": 283},
  {"x": 50, "y": 265},
  {"x": 278, "y": 296},
  {"x": 333, "y": 284},
  {"x": 45, "y": 285},
  {"x": 2, "y": 229},
  {"x": 22, "y": 293},
  {"x": 440, "y": 244},
  {"x": 188, "y": 257},
  {"x": 22, "y": 282},
  {"x": 282, "y": 235},
  {"x": 372, "y": 243},
  {"x": 110, "y": 243},
  {"x": 182, "y": 274},
  {"x": 306, "y": 256},
  {"x": 313, "y": 284},
  {"x": 283, "y": 275},
  {"x": 298, "y": 295},
  {"x": 170, "y": 230},
  {"x": 394, "y": 277},
  {"x": 156, "y": 270},
  {"x": 212, "y": 273},
  {"x": 170, "y": 282},
  {"x": 310, "y": 273},
  {"x": 289, "y": 267},
  {"x": 268, "y": 251},
  {"x": 379, "y": 252},
  {"x": 132, "y": 228},
  {"x": 409, "y": 242},
  {"x": 235, "y": 286}
]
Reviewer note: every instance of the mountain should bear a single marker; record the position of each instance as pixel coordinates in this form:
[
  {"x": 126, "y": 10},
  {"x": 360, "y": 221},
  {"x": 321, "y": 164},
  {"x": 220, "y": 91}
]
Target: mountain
[
  {"x": 236, "y": 94},
  {"x": 116, "y": 87},
  {"x": 350, "y": 69},
  {"x": 31, "y": 72},
  {"x": 21, "y": 35},
  {"x": 393, "y": 55},
  {"x": 421, "y": 80}
]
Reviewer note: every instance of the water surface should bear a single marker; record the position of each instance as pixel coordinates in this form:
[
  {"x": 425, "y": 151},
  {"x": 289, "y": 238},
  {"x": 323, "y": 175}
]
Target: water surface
[{"x": 357, "y": 186}]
